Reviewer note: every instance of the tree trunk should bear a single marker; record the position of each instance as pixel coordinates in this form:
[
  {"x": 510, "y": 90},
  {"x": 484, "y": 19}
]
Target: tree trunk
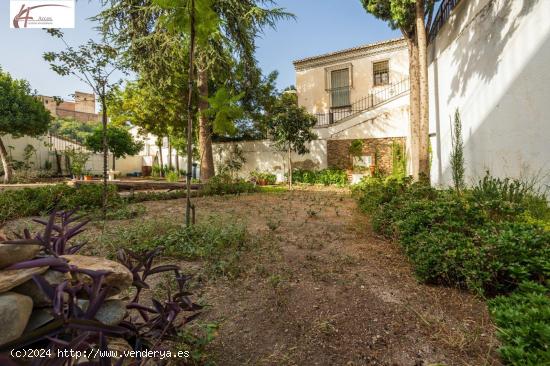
[
  {"x": 424, "y": 161},
  {"x": 205, "y": 129},
  {"x": 289, "y": 168},
  {"x": 161, "y": 160},
  {"x": 114, "y": 163},
  {"x": 169, "y": 154},
  {"x": 177, "y": 160},
  {"x": 190, "y": 116},
  {"x": 8, "y": 171},
  {"x": 414, "y": 108},
  {"x": 105, "y": 154}
]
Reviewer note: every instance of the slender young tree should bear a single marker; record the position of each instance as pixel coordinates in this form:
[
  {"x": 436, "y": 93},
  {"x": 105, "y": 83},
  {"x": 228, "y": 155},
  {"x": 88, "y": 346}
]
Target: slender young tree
[
  {"x": 196, "y": 19},
  {"x": 21, "y": 113},
  {"x": 94, "y": 64},
  {"x": 290, "y": 128}
]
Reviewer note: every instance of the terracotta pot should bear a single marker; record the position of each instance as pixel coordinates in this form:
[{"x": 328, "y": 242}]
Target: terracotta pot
[
  {"x": 372, "y": 170},
  {"x": 88, "y": 177},
  {"x": 262, "y": 182}
]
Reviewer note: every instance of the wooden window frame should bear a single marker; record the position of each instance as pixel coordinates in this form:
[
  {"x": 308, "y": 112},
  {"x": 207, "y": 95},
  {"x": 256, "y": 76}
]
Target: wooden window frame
[{"x": 374, "y": 73}]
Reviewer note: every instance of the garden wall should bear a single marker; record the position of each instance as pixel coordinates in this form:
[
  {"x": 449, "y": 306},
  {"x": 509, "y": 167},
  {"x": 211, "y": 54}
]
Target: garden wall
[
  {"x": 261, "y": 155},
  {"x": 490, "y": 60}
]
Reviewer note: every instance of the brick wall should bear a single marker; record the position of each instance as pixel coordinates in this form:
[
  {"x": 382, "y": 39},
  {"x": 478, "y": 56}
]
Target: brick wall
[{"x": 338, "y": 155}]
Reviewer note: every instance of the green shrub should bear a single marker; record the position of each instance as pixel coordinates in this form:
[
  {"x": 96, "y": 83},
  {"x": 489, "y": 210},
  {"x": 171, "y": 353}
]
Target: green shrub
[
  {"x": 26, "y": 202},
  {"x": 325, "y": 176},
  {"x": 267, "y": 177},
  {"x": 219, "y": 243},
  {"x": 523, "y": 321},
  {"x": 224, "y": 184},
  {"x": 492, "y": 239},
  {"x": 172, "y": 176}
]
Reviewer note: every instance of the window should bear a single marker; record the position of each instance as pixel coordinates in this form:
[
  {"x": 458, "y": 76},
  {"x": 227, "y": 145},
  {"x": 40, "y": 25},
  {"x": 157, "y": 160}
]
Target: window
[
  {"x": 339, "y": 88},
  {"x": 381, "y": 73}
]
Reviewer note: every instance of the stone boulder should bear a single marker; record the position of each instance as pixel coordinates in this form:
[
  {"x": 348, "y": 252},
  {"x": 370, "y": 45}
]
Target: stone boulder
[
  {"x": 111, "y": 312},
  {"x": 39, "y": 298},
  {"x": 15, "y": 311},
  {"x": 10, "y": 278},
  {"x": 13, "y": 253},
  {"x": 119, "y": 278}
]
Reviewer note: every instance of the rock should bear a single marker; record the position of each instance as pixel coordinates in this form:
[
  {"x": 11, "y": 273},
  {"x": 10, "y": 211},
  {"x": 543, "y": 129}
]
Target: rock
[
  {"x": 39, "y": 298},
  {"x": 39, "y": 317},
  {"x": 13, "y": 253},
  {"x": 10, "y": 278},
  {"x": 112, "y": 312},
  {"x": 15, "y": 311},
  {"x": 120, "y": 277}
]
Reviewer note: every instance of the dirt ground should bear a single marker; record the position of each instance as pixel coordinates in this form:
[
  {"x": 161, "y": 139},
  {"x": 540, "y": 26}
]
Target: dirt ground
[
  {"x": 323, "y": 289},
  {"x": 320, "y": 288}
]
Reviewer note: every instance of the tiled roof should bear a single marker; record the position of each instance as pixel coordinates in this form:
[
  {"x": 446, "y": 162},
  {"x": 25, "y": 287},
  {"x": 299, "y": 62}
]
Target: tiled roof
[{"x": 358, "y": 49}]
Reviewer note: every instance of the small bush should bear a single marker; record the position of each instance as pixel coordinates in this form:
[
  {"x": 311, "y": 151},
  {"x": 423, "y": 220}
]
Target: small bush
[
  {"x": 172, "y": 176},
  {"x": 325, "y": 176},
  {"x": 492, "y": 239},
  {"x": 26, "y": 202},
  {"x": 224, "y": 184},
  {"x": 266, "y": 177},
  {"x": 523, "y": 321}
]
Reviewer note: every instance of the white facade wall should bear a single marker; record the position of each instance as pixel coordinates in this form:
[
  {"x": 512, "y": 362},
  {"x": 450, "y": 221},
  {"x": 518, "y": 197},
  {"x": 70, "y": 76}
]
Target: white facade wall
[
  {"x": 262, "y": 156},
  {"x": 492, "y": 62}
]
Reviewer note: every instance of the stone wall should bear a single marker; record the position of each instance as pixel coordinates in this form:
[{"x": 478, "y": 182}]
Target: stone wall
[{"x": 338, "y": 155}]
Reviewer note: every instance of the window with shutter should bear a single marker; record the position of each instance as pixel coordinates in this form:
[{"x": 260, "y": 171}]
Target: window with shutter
[{"x": 339, "y": 88}]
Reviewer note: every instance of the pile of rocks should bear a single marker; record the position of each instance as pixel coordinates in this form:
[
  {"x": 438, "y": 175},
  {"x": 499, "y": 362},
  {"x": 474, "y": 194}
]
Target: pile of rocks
[{"x": 23, "y": 305}]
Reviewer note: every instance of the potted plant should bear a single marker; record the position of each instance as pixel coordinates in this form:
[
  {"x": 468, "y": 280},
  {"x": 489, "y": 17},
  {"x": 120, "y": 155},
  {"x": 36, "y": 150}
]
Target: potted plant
[{"x": 88, "y": 175}]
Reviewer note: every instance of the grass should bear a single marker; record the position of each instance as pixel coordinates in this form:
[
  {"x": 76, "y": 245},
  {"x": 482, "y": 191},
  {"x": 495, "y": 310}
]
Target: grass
[{"x": 217, "y": 243}]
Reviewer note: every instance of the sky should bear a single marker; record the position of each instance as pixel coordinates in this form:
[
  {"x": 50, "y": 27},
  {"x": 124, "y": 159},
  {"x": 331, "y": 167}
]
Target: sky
[{"x": 320, "y": 26}]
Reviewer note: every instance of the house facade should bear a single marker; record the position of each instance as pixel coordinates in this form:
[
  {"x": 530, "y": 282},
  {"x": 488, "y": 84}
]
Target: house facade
[
  {"x": 490, "y": 60},
  {"x": 362, "y": 94},
  {"x": 82, "y": 109}
]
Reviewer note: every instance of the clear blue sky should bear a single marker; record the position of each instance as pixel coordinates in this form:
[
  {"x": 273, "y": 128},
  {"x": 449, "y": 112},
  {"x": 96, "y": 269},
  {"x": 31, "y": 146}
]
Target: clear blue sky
[{"x": 321, "y": 26}]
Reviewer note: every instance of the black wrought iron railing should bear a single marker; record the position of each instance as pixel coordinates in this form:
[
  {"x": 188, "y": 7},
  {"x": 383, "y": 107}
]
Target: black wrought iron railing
[
  {"x": 442, "y": 15},
  {"x": 339, "y": 97},
  {"x": 370, "y": 101}
]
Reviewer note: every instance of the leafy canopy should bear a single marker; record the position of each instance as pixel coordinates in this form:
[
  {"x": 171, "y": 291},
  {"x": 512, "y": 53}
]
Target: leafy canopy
[
  {"x": 224, "y": 109},
  {"x": 177, "y": 17},
  {"x": 92, "y": 63},
  {"x": 119, "y": 141},
  {"x": 290, "y": 126},
  {"x": 20, "y": 112}
]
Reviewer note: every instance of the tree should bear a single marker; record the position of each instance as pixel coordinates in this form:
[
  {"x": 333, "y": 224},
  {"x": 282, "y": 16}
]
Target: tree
[
  {"x": 20, "y": 114},
  {"x": 402, "y": 15},
  {"x": 457, "y": 153},
  {"x": 119, "y": 141},
  {"x": 92, "y": 63},
  {"x": 240, "y": 23},
  {"x": 290, "y": 128},
  {"x": 73, "y": 129},
  {"x": 183, "y": 20}
]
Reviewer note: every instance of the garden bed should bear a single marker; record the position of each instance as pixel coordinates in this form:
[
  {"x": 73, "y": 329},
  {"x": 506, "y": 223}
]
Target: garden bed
[{"x": 309, "y": 283}]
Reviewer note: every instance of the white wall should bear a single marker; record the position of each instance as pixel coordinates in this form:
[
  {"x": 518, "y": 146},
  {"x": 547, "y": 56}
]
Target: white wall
[
  {"x": 262, "y": 156},
  {"x": 492, "y": 62}
]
